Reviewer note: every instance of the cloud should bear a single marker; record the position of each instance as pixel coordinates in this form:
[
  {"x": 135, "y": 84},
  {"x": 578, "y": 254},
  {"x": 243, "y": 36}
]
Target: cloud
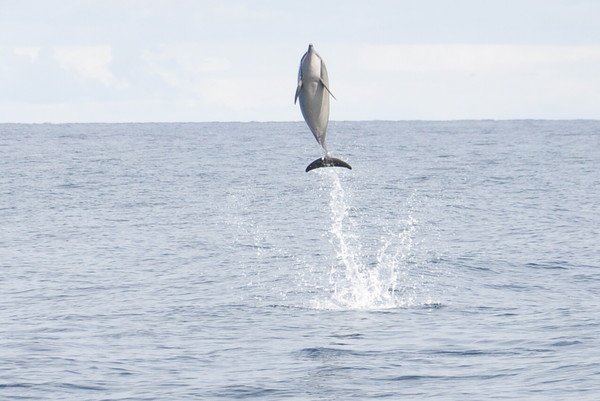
[
  {"x": 32, "y": 53},
  {"x": 470, "y": 57},
  {"x": 465, "y": 81},
  {"x": 208, "y": 78},
  {"x": 239, "y": 94},
  {"x": 89, "y": 62},
  {"x": 214, "y": 64},
  {"x": 182, "y": 66}
]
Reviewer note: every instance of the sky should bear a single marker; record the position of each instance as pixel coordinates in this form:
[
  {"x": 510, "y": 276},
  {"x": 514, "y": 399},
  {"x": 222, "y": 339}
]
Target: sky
[{"x": 235, "y": 60}]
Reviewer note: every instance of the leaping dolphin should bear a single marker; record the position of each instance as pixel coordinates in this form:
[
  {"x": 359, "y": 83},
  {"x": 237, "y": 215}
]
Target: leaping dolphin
[{"x": 313, "y": 92}]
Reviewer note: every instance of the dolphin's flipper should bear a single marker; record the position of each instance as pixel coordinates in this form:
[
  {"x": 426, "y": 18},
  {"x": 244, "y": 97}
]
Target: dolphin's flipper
[
  {"x": 324, "y": 85},
  {"x": 327, "y": 162},
  {"x": 298, "y": 89},
  {"x": 325, "y": 79}
]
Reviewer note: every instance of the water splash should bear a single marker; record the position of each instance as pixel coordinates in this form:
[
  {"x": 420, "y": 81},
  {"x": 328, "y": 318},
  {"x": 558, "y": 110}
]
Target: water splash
[
  {"x": 370, "y": 262},
  {"x": 380, "y": 278}
]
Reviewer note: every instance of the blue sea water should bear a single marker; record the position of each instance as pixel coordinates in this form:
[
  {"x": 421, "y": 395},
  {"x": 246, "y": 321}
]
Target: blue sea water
[{"x": 456, "y": 261}]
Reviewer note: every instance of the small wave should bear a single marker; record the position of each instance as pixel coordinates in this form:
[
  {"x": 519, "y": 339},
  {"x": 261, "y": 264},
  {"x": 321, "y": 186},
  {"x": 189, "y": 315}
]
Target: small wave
[
  {"x": 320, "y": 352},
  {"x": 548, "y": 266},
  {"x": 353, "y": 336},
  {"x": 327, "y": 353},
  {"x": 246, "y": 391},
  {"x": 89, "y": 387},
  {"x": 433, "y": 305},
  {"x": 16, "y": 385},
  {"x": 414, "y": 378},
  {"x": 566, "y": 343}
]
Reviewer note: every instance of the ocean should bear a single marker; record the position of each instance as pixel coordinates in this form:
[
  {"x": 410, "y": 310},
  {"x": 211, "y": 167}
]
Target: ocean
[{"x": 457, "y": 260}]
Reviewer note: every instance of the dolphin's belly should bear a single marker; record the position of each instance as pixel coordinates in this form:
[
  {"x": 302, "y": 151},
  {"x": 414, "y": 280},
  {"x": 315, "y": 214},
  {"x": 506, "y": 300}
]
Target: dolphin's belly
[{"x": 314, "y": 103}]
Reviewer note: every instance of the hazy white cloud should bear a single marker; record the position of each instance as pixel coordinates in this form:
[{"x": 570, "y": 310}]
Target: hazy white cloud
[
  {"x": 456, "y": 81},
  {"x": 89, "y": 62},
  {"x": 470, "y": 57},
  {"x": 208, "y": 79},
  {"x": 183, "y": 66},
  {"x": 214, "y": 64},
  {"x": 241, "y": 94},
  {"x": 32, "y": 53}
]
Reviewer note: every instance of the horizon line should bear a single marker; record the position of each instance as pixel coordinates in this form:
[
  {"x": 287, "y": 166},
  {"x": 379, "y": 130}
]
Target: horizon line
[{"x": 293, "y": 121}]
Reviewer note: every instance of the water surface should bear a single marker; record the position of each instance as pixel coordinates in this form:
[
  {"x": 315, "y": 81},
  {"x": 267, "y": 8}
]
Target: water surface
[{"x": 456, "y": 261}]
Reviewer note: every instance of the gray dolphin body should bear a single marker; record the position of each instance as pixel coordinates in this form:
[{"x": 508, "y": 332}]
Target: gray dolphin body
[{"x": 313, "y": 92}]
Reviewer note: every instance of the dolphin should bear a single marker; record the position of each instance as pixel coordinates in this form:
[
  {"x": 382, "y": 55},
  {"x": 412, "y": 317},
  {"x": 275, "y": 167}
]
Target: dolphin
[{"x": 313, "y": 92}]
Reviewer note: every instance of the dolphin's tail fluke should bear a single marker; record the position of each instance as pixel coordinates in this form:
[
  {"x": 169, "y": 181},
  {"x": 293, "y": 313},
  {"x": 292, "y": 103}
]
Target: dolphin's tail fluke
[{"x": 327, "y": 161}]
